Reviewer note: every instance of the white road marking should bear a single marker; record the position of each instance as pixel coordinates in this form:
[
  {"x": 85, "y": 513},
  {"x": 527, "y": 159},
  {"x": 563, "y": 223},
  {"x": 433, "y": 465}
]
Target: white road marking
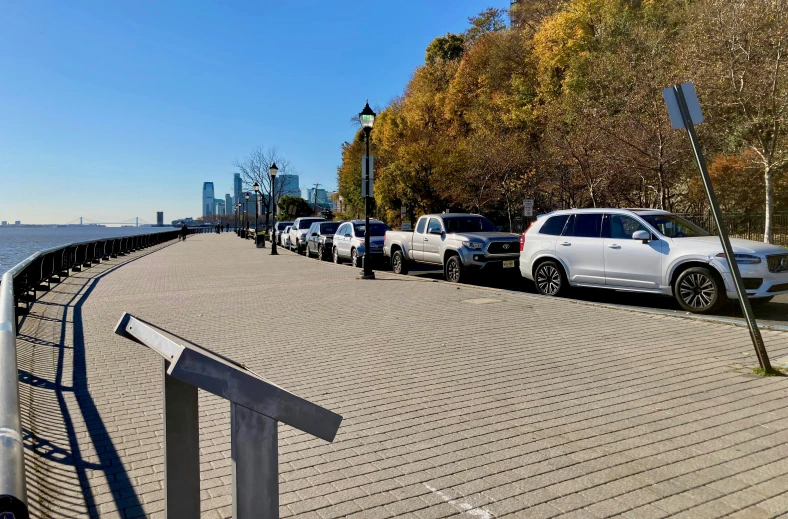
[{"x": 466, "y": 508}]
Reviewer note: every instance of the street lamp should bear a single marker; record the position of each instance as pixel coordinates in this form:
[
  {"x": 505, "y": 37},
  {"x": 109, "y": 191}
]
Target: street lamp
[
  {"x": 246, "y": 216},
  {"x": 367, "y": 119},
  {"x": 256, "y": 187},
  {"x": 238, "y": 219},
  {"x": 273, "y": 170}
]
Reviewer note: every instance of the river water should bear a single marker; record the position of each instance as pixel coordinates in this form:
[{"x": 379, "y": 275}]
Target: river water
[{"x": 17, "y": 243}]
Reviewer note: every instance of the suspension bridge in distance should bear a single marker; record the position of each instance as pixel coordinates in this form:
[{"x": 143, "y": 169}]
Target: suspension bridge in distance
[{"x": 134, "y": 221}]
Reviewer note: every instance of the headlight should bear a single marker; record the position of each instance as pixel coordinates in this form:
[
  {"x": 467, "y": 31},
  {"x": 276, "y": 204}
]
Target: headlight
[
  {"x": 475, "y": 245},
  {"x": 743, "y": 259}
]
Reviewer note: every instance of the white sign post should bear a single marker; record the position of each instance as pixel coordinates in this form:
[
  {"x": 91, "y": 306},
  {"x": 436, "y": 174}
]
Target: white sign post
[
  {"x": 528, "y": 207},
  {"x": 684, "y": 111}
]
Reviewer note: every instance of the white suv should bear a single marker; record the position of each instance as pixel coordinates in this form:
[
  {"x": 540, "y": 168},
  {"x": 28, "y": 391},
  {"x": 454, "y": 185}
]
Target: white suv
[{"x": 646, "y": 250}]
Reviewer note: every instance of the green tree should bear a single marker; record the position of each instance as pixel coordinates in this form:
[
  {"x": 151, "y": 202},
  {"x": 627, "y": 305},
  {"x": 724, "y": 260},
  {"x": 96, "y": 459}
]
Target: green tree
[
  {"x": 449, "y": 47},
  {"x": 295, "y": 206}
]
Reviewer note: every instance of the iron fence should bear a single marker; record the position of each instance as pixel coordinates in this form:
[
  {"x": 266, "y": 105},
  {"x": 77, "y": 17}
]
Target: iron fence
[{"x": 749, "y": 226}]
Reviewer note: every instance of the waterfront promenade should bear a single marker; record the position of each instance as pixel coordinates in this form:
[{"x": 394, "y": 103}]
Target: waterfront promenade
[{"x": 456, "y": 399}]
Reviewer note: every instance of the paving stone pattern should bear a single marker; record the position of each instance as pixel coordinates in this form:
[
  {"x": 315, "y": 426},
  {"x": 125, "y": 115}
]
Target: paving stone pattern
[{"x": 456, "y": 400}]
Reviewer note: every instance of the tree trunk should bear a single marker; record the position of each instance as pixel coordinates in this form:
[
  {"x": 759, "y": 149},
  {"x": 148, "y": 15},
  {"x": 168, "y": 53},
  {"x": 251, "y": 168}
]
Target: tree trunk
[{"x": 768, "y": 235}]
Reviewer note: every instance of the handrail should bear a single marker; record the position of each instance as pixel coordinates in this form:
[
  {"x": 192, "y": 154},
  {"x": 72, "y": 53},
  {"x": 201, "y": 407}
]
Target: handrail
[{"x": 15, "y": 286}]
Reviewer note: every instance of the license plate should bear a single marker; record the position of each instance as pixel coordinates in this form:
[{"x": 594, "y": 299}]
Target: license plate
[{"x": 508, "y": 264}]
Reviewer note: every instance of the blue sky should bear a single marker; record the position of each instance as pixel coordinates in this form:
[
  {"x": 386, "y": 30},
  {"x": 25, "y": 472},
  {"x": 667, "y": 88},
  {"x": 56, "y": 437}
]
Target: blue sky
[{"x": 112, "y": 109}]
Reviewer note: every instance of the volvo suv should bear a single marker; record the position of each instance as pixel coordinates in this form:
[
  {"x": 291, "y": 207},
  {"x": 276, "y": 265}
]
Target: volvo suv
[{"x": 646, "y": 250}]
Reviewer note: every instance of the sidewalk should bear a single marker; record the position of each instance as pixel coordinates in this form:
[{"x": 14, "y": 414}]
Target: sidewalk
[{"x": 456, "y": 400}]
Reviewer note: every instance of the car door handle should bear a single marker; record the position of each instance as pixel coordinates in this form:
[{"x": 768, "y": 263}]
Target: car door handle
[
  {"x": 614, "y": 246},
  {"x": 426, "y": 239},
  {"x": 565, "y": 243}
]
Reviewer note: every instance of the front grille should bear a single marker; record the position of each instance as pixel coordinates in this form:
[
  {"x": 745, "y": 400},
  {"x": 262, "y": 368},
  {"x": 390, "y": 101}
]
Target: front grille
[
  {"x": 779, "y": 288},
  {"x": 777, "y": 262},
  {"x": 752, "y": 283},
  {"x": 500, "y": 247}
]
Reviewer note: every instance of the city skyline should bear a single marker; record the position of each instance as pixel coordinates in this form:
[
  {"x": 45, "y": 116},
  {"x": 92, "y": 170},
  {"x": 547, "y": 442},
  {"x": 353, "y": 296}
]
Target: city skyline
[{"x": 128, "y": 107}]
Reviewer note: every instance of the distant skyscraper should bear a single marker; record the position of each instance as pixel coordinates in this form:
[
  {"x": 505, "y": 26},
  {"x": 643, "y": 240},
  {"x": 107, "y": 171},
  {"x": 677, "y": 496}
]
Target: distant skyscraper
[
  {"x": 207, "y": 199},
  {"x": 220, "y": 209},
  {"x": 289, "y": 186},
  {"x": 228, "y": 204},
  {"x": 160, "y": 218},
  {"x": 237, "y": 188}
]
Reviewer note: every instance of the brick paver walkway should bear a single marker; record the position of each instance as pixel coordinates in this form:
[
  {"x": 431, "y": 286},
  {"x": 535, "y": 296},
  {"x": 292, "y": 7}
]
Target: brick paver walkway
[{"x": 456, "y": 400}]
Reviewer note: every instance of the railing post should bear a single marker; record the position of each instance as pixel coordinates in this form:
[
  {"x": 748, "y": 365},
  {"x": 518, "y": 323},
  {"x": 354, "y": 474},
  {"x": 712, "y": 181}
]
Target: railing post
[
  {"x": 181, "y": 449},
  {"x": 254, "y": 450}
]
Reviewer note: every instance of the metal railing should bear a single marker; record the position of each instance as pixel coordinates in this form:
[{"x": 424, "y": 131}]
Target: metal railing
[
  {"x": 20, "y": 285},
  {"x": 749, "y": 226}
]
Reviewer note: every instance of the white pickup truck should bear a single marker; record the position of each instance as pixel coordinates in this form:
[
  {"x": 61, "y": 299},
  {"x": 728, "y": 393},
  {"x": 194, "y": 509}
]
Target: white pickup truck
[{"x": 459, "y": 242}]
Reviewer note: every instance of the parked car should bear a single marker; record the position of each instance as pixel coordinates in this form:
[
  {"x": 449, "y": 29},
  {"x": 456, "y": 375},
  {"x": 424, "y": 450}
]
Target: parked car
[
  {"x": 276, "y": 231},
  {"x": 349, "y": 241},
  {"x": 646, "y": 250},
  {"x": 319, "y": 239},
  {"x": 459, "y": 242},
  {"x": 284, "y": 237},
  {"x": 299, "y": 230}
]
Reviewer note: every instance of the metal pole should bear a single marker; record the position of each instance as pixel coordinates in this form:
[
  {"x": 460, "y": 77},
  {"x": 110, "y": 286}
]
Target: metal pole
[
  {"x": 254, "y": 448},
  {"x": 256, "y": 201},
  {"x": 368, "y": 274},
  {"x": 273, "y": 217},
  {"x": 741, "y": 292},
  {"x": 13, "y": 495},
  {"x": 181, "y": 449}
]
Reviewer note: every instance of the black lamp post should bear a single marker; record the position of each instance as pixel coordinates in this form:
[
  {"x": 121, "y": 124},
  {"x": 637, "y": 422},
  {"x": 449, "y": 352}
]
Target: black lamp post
[
  {"x": 238, "y": 219},
  {"x": 256, "y": 187},
  {"x": 367, "y": 118},
  {"x": 246, "y": 216},
  {"x": 273, "y": 170}
]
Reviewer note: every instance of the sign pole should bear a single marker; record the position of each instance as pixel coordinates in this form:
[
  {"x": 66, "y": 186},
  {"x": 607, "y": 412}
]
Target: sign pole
[{"x": 744, "y": 301}]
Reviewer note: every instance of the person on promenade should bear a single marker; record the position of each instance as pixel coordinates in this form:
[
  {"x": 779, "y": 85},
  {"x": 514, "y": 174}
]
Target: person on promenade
[
  {"x": 184, "y": 232},
  {"x": 227, "y": 227}
]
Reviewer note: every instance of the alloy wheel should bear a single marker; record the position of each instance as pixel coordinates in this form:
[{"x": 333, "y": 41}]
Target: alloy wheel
[
  {"x": 697, "y": 291},
  {"x": 354, "y": 258},
  {"x": 319, "y": 253},
  {"x": 548, "y": 280},
  {"x": 453, "y": 270},
  {"x": 396, "y": 263}
]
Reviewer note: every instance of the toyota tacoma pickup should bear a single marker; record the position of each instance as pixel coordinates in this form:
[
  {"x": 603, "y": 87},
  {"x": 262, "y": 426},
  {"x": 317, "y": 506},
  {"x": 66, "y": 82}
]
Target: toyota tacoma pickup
[{"x": 461, "y": 243}]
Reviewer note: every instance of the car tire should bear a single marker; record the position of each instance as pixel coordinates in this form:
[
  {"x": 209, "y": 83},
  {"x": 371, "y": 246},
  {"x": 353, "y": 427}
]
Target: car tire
[
  {"x": 354, "y": 258},
  {"x": 453, "y": 269},
  {"x": 550, "y": 279},
  {"x": 399, "y": 265},
  {"x": 320, "y": 256},
  {"x": 699, "y": 290},
  {"x": 337, "y": 259}
]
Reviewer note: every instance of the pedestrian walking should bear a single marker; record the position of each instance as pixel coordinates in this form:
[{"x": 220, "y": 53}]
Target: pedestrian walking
[{"x": 184, "y": 232}]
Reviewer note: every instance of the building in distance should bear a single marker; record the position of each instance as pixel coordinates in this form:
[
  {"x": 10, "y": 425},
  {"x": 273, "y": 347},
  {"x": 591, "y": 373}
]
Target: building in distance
[
  {"x": 207, "y": 199},
  {"x": 237, "y": 188},
  {"x": 160, "y": 218}
]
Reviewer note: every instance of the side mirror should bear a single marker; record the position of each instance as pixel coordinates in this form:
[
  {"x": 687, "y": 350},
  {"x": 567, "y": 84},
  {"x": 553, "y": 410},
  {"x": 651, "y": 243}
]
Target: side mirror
[
  {"x": 314, "y": 234},
  {"x": 436, "y": 232},
  {"x": 643, "y": 236}
]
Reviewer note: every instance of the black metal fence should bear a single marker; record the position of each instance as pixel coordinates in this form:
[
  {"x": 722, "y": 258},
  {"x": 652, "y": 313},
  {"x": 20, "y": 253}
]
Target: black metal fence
[{"x": 749, "y": 226}]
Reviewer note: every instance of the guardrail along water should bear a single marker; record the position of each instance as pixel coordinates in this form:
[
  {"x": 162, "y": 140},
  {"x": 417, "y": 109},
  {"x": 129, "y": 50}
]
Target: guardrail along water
[{"x": 20, "y": 286}]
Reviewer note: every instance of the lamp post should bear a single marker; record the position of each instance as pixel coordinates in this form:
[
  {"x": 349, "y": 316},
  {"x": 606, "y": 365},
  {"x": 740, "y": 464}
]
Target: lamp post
[
  {"x": 273, "y": 170},
  {"x": 246, "y": 216},
  {"x": 256, "y": 187},
  {"x": 235, "y": 218},
  {"x": 238, "y": 219},
  {"x": 367, "y": 118}
]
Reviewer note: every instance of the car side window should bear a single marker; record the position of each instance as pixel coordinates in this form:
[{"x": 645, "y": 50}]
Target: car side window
[
  {"x": 420, "y": 226},
  {"x": 434, "y": 225},
  {"x": 554, "y": 225},
  {"x": 622, "y": 227},
  {"x": 586, "y": 226},
  {"x": 348, "y": 230},
  {"x": 341, "y": 230}
]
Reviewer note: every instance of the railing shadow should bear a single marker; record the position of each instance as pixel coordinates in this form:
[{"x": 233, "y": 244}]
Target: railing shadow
[{"x": 56, "y": 486}]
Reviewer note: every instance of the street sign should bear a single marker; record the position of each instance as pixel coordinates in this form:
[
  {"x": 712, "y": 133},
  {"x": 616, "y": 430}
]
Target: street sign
[
  {"x": 684, "y": 111},
  {"x": 406, "y": 226},
  {"x": 690, "y": 97},
  {"x": 403, "y": 211},
  {"x": 528, "y": 207},
  {"x": 364, "y": 187},
  {"x": 364, "y": 167}
]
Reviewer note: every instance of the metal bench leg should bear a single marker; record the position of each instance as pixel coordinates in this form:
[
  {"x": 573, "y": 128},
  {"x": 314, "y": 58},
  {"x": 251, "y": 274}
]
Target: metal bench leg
[
  {"x": 255, "y": 453},
  {"x": 181, "y": 449}
]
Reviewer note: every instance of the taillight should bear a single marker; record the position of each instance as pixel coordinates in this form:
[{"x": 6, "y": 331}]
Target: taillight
[{"x": 522, "y": 242}]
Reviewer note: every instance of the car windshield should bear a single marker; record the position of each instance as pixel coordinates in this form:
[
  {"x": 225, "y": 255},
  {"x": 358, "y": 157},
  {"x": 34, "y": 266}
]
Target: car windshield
[
  {"x": 376, "y": 229},
  {"x": 283, "y": 225},
  {"x": 329, "y": 228},
  {"x": 468, "y": 224},
  {"x": 673, "y": 226},
  {"x": 306, "y": 224}
]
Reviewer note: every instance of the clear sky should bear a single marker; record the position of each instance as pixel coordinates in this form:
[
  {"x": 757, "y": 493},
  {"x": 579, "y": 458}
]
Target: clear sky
[{"x": 111, "y": 109}]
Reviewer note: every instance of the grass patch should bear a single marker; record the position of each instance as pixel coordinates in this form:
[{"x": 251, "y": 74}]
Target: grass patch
[{"x": 775, "y": 372}]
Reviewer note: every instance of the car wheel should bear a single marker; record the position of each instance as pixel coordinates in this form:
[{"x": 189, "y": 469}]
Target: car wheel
[
  {"x": 320, "y": 253},
  {"x": 549, "y": 279},
  {"x": 354, "y": 258},
  {"x": 337, "y": 259},
  {"x": 398, "y": 263},
  {"x": 698, "y": 290},
  {"x": 453, "y": 270}
]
